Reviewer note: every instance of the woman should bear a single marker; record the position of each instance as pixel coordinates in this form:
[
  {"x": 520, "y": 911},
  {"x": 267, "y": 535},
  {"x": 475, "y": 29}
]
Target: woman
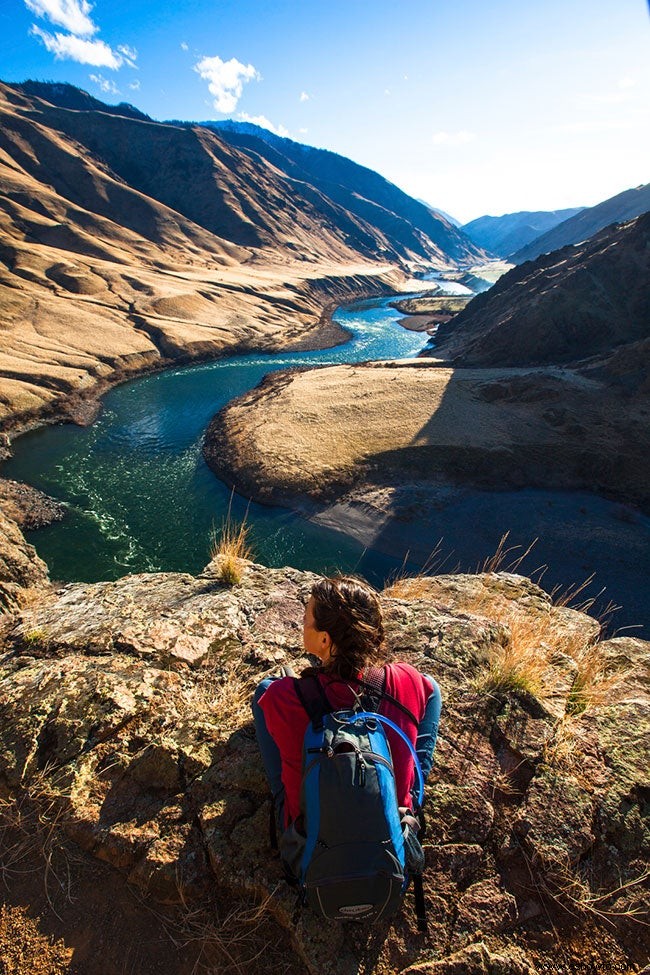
[{"x": 343, "y": 627}]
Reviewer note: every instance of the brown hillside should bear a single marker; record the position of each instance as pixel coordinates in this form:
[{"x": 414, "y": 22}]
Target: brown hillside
[{"x": 125, "y": 244}]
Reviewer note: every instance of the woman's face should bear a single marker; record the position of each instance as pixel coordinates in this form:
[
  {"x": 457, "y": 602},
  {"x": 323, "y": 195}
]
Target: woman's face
[{"x": 316, "y": 642}]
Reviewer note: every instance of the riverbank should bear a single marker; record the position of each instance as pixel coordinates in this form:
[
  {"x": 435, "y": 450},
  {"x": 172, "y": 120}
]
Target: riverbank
[
  {"x": 307, "y": 325},
  {"x": 57, "y": 373},
  {"x": 402, "y": 455}
]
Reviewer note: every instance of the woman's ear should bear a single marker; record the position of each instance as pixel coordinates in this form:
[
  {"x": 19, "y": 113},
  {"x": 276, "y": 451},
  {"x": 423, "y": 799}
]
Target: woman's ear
[{"x": 326, "y": 645}]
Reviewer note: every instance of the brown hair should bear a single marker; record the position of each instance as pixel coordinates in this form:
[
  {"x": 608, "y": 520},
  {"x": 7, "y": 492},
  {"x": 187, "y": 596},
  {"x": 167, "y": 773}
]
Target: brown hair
[{"x": 349, "y": 610}]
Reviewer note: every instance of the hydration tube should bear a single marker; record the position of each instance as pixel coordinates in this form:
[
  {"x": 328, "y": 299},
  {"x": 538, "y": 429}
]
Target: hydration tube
[{"x": 391, "y": 724}]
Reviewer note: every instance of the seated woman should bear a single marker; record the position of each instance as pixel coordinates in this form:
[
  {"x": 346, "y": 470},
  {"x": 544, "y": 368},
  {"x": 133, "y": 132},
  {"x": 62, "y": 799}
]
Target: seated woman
[{"x": 343, "y": 627}]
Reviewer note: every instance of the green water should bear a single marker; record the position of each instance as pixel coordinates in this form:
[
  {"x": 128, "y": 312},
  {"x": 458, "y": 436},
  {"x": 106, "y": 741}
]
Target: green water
[{"x": 140, "y": 497}]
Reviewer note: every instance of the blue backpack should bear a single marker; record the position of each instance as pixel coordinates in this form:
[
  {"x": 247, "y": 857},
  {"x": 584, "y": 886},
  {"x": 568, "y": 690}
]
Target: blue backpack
[{"x": 353, "y": 851}]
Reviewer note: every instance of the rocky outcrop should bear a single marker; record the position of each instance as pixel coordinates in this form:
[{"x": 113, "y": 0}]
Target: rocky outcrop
[
  {"x": 27, "y": 506},
  {"x": 125, "y": 713},
  {"x": 21, "y": 570}
]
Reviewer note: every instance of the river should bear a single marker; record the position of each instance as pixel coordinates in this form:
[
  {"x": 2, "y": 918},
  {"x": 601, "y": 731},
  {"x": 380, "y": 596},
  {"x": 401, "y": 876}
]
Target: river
[{"x": 141, "y": 498}]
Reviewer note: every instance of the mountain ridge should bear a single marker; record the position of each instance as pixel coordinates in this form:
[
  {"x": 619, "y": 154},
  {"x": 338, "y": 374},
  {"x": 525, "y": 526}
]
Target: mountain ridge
[
  {"x": 511, "y": 231},
  {"x": 623, "y": 206},
  {"x": 128, "y": 243}
]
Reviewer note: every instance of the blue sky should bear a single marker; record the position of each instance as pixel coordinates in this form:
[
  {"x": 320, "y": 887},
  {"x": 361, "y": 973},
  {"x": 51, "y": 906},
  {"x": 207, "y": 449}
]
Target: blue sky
[{"x": 475, "y": 107}]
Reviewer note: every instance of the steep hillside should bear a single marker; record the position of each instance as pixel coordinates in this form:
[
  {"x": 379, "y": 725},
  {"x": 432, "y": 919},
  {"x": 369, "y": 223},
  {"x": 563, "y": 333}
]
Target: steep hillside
[
  {"x": 359, "y": 190},
  {"x": 624, "y": 206},
  {"x": 126, "y": 244},
  {"x": 512, "y": 231},
  {"x": 581, "y": 301}
]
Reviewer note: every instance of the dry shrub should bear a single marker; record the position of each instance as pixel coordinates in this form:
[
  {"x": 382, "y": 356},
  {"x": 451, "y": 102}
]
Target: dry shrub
[
  {"x": 230, "y": 548},
  {"x": 31, "y": 823},
  {"x": 234, "y": 940}
]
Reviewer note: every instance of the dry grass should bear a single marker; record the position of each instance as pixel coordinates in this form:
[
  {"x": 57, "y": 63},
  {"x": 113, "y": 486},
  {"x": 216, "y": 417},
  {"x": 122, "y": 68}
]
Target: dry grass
[
  {"x": 30, "y": 823},
  {"x": 524, "y": 664},
  {"x": 571, "y": 886},
  {"x": 223, "y": 688},
  {"x": 238, "y": 940},
  {"x": 230, "y": 547},
  {"x": 401, "y": 585},
  {"x": 503, "y": 561}
]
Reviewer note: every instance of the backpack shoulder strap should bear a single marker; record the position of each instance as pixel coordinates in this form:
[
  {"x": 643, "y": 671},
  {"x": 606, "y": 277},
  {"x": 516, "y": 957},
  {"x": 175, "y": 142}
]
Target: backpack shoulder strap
[
  {"x": 313, "y": 698},
  {"x": 373, "y": 683},
  {"x": 375, "y": 677}
]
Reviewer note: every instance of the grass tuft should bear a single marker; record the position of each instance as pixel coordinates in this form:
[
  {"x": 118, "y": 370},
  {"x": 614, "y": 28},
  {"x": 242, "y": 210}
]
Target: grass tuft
[
  {"x": 230, "y": 548},
  {"x": 401, "y": 585}
]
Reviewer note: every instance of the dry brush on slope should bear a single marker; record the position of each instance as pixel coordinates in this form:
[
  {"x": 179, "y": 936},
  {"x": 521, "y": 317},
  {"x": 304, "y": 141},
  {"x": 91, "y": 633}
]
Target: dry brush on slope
[{"x": 126, "y": 733}]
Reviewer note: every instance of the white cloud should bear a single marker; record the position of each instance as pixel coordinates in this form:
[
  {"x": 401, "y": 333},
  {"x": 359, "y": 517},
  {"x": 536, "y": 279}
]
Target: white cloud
[
  {"x": 264, "y": 123},
  {"x": 184, "y": 46},
  {"x": 303, "y": 131},
  {"x": 129, "y": 55},
  {"x": 460, "y": 138},
  {"x": 62, "y": 46},
  {"x": 304, "y": 97},
  {"x": 626, "y": 82},
  {"x": 226, "y": 80},
  {"x": 71, "y": 14},
  {"x": 135, "y": 85},
  {"x": 107, "y": 86},
  {"x": 74, "y": 16}
]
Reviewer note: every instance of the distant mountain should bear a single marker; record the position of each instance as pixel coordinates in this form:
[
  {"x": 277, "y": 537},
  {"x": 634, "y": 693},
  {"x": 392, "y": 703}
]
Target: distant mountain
[
  {"x": 446, "y": 216},
  {"x": 623, "y": 206},
  {"x": 508, "y": 233},
  {"x": 68, "y": 96},
  {"x": 361, "y": 191},
  {"x": 583, "y": 301}
]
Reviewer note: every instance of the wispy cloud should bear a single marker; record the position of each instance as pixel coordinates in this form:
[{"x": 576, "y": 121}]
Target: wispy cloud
[
  {"x": 226, "y": 80},
  {"x": 304, "y": 97},
  {"x": 62, "y": 46},
  {"x": 459, "y": 138},
  {"x": 185, "y": 46},
  {"x": 264, "y": 123},
  {"x": 107, "y": 86},
  {"x": 73, "y": 15},
  {"x": 135, "y": 85},
  {"x": 128, "y": 54}
]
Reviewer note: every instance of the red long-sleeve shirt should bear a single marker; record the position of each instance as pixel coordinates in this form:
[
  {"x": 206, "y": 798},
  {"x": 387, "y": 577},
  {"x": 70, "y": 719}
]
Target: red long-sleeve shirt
[{"x": 287, "y": 720}]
